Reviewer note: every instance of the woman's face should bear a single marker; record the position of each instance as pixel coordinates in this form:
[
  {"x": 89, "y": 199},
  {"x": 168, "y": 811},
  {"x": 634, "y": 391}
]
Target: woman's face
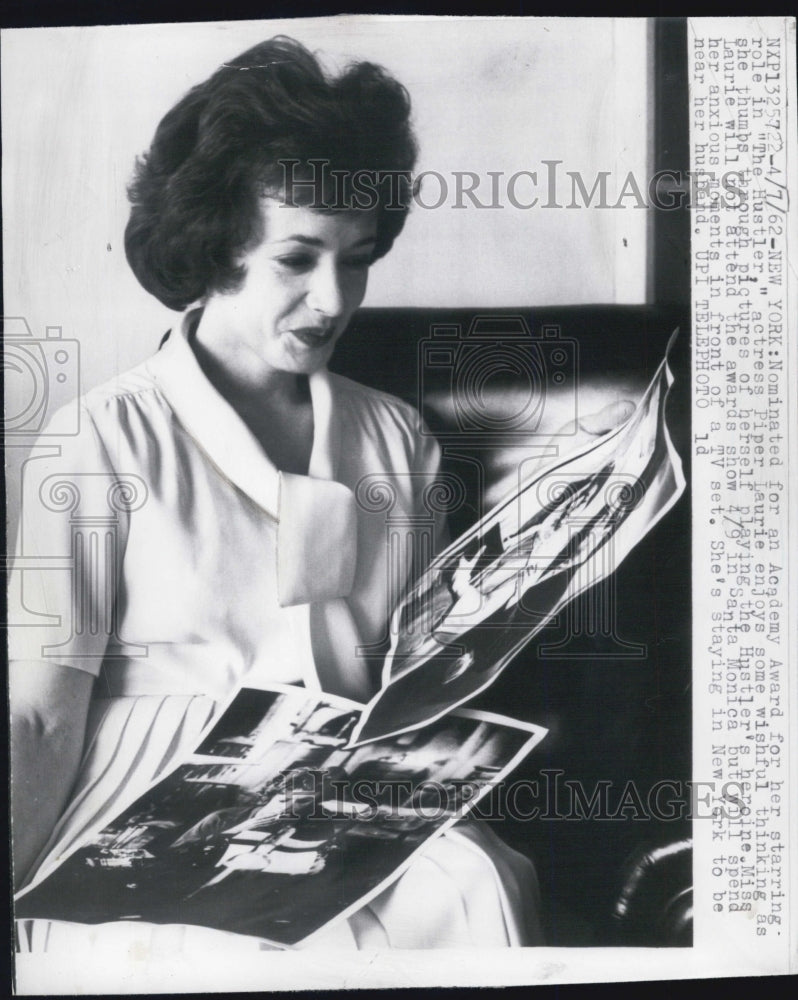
[{"x": 302, "y": 284}]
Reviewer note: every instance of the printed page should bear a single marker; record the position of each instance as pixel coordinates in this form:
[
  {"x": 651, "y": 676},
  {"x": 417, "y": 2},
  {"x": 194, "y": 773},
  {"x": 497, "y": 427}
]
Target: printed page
[
  {"x": 481, "y": 601},
  {"x": 276, "y": 827}
]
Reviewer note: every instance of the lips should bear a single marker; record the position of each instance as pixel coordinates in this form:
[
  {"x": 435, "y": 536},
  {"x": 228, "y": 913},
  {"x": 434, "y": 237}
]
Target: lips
[{"x": 314, "y": 336}]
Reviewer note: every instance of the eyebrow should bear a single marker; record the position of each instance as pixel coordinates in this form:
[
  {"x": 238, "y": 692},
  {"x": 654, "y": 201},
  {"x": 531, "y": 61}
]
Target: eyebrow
[{"x": 314, "y": 241}]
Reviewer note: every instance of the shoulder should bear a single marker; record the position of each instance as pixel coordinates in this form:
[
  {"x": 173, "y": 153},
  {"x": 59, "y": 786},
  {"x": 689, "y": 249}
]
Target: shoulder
[
  {"x": 129, "y": 388},
  {"x": 385, "y": 418},
  {"x": 104, "y": 417},
  {"x": 375, "y": 402},
  {"x": 132, "y": 402}
]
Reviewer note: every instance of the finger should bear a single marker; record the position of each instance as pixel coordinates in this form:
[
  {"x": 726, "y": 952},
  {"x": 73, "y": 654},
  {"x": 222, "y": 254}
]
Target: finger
[{"x": 612, "y": 416}]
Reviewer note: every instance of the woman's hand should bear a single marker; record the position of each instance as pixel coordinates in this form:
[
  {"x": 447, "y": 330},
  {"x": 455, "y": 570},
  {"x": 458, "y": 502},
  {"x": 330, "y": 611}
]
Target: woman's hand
[
  {"x": 588, "y": 429},
  {"x": 503, "y": 472},
  {"x": 49, "y": 707},
  {"x": 607, "y": 419}
]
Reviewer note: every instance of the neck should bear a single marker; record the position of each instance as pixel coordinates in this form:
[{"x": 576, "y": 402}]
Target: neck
[
  {"x": 246, "y": 390},
  {"x": 238, "y": 374},
  {"x": 275, "y": 405}
]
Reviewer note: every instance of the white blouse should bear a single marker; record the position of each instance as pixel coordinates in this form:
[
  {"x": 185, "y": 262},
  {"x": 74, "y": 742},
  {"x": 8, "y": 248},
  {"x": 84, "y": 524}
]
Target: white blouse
[
  {"x": 177, "y": 559},
  {"x": 161, "y": 551}
]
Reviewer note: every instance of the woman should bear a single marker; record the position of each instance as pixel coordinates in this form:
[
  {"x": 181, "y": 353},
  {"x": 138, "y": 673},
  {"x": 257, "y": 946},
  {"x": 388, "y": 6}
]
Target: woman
[{"x": 222, "y": 472}]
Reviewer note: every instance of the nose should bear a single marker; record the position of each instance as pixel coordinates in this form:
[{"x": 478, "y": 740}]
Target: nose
[{"x": 326, "y": 294}]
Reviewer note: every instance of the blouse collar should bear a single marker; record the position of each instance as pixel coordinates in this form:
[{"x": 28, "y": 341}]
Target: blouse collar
[
  {"x": 316, "y": 516},
  {"x": 220, "y": 431}
]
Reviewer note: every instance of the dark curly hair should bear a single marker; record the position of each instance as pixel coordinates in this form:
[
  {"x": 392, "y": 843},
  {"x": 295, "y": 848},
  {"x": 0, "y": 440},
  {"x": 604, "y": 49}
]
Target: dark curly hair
[{"x": 195, "y": 194}]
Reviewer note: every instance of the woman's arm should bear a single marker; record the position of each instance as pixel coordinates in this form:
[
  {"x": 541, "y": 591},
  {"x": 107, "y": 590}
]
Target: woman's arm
[
  {"x": 49, "y": 699},
  {"x": 49, "y": 707}
]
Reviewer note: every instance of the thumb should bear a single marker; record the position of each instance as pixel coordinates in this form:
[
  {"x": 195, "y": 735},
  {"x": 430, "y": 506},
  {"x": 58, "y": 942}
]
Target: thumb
[{"x": 612, "y": 416}]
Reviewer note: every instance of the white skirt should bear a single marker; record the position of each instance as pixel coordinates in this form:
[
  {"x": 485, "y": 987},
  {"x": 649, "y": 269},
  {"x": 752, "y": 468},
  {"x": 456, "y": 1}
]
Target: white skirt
[{"x": 466, "y": 888}]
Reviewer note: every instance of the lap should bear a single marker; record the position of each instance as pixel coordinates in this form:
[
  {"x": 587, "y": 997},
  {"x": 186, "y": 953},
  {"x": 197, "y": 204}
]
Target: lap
[{"x": 464, "y": 888}]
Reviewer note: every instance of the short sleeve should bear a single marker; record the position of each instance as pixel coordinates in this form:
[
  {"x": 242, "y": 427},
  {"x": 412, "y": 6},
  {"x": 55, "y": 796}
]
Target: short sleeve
[
  {"x": 432, "y": 491},
  {"x": 73, "y": 521}
]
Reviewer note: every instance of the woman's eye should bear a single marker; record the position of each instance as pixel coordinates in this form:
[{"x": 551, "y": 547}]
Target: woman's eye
[
  {"x": 306, "y": 262},
  {"x": 296, "y": 262}
]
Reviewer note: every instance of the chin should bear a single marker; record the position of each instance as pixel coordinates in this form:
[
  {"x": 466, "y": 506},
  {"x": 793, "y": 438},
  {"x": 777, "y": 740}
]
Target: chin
[{"x": 311, "y": 363}]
